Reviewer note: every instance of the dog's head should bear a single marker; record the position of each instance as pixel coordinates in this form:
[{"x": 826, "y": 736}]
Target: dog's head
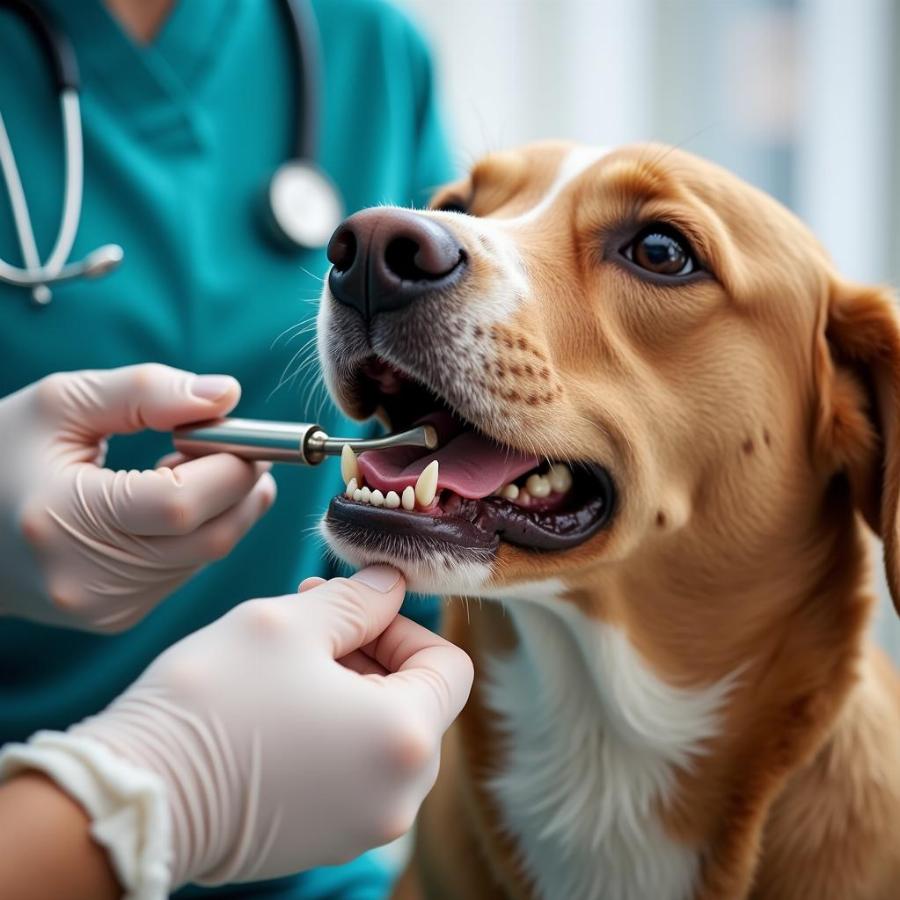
[{"x": 626, "y": 354}]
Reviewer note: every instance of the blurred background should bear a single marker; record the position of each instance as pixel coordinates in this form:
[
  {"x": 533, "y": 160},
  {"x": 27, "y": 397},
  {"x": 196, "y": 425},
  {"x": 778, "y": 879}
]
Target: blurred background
[{"x": 796, "y": 96}]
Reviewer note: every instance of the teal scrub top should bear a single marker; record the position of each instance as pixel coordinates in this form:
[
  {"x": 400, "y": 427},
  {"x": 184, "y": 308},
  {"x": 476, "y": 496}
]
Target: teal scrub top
[{"x": 180, "y": 140}]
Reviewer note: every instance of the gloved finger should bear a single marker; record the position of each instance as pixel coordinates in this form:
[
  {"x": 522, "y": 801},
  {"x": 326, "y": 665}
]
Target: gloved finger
[
  {"x": 428, "y": 672},
  {"x": 177, "y": 501},
  {"x": 362, "y": 664},
  {"x": 96, "y": 403},
  {"x": 171, "y": 460},
  {"x": 102, "y": 449},
  {"x": 175, "y": 459},
  {"x": 309, "y": 583},
  {"x": 218, "y": 537},
  {"x": 351, "y": 612}
]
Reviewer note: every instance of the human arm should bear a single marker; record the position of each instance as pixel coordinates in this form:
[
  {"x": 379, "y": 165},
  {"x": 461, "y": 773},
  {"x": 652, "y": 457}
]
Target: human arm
[
  {"x": 295, "y": 731},
  {"x": 46, "y": 849}
]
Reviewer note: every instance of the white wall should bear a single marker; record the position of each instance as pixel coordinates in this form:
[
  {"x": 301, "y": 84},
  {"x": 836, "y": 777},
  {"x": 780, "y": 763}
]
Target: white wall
[
  {"x": 520, "y": 70},
  {"x": 844, "y": 167}
]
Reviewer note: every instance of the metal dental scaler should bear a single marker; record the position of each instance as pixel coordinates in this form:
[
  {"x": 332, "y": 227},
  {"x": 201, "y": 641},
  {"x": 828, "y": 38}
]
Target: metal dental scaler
[{"x": 291, "y": 442}]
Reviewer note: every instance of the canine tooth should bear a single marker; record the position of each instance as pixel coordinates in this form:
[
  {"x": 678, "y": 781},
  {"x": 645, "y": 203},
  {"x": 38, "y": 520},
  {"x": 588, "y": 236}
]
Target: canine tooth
[
  {"x": 349, "y": 465},
  {"x": 538, "y": 486},
  {"x": 509, "y": 491},
  {"x": 560, "y": 478},
  {"x": 524, "y": 498},
  {"x": 377, "y": 498},
  {"x": 352, "y": 487},
  {"x": 358, "y": 495},
  {"x": 409, "y": 497},
  {"x": 426, "y": 484},
  {"x": 365, "y": 495},
  {"x": 392, "y": 500}
]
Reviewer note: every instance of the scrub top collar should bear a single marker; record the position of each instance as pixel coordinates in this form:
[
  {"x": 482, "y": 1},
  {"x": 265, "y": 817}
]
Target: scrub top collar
[{"x": 151, "y": 84}]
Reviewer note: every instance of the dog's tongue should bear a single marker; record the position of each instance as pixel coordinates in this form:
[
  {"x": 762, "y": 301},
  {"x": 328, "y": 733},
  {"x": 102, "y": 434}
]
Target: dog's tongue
[{"x": 468, "y": 464}]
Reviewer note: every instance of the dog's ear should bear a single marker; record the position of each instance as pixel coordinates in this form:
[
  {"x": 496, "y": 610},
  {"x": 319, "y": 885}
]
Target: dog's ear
[{"x": 858, "y": 375}]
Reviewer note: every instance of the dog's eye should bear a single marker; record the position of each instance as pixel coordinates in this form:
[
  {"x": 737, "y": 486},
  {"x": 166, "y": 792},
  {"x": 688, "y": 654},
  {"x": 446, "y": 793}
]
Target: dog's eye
[
  {"x": 661, "y": 249},
  {"x": 453, "y": 205}
]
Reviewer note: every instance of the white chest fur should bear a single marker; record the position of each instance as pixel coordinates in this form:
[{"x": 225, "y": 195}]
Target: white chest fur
[{"x": 594, "y": 742}]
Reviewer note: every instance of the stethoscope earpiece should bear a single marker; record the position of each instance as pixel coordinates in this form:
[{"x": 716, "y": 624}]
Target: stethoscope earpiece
[
  {"x": 97, "y": 263},
  {"x": 103, "y": 260}
]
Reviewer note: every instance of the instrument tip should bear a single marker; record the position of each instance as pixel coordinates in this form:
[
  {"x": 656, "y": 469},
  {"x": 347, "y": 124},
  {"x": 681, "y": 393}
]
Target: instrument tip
[{"x": 431, "y": 437}]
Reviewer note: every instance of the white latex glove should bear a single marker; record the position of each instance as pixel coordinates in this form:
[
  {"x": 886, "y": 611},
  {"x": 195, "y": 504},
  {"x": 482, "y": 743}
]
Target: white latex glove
[
  {"x": 90, "y": 548},
  {"x": 294, "y": 732}
]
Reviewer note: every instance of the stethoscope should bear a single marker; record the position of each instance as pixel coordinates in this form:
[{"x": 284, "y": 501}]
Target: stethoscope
[{"x": 303, "y": 205}]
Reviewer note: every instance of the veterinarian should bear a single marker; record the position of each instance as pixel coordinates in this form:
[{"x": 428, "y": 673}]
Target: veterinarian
[{"x": 186, "y": 111}]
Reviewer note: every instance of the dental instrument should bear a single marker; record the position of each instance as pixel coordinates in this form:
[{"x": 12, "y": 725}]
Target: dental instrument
[{"x": 294, "y": 442}]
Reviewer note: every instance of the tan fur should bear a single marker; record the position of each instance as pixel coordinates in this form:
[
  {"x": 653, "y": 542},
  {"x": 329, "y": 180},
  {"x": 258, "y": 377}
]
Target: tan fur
[{"x": 749, "y": 418}]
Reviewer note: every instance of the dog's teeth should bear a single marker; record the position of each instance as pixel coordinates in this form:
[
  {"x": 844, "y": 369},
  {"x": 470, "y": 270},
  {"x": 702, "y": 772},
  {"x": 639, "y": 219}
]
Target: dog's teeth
[
  {"x": 509, "y": 491},
  {"x": 349, "y": 465},
  {"x": 426, "y": 485},
  {"x": 538, "y": 486},
  {"x": 560, "y": 478},
  {"x": 358, "y": 495},
  {"x": 409, "y": 497},
  {"x": 365, "y": 495},
  {"x": 377, "y": 498},
  {"x": 392, "y": 500},
  {"x": 524, "y": 498},
  {"x": 352, "y": 487}
]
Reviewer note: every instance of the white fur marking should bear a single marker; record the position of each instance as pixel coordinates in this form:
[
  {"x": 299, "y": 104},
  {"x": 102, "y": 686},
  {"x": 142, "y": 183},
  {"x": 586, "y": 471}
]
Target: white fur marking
[
  {"x": 576, "y": 161},
  {"x": 594, "y": 742}
]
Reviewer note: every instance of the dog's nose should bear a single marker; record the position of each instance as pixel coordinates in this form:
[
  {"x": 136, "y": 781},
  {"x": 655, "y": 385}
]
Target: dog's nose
[{"x": 383, "y": 259}]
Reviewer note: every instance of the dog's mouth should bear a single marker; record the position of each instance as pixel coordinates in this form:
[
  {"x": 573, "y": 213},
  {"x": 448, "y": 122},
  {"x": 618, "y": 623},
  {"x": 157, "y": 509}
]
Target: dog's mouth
[{"x": 471, "y": 492}]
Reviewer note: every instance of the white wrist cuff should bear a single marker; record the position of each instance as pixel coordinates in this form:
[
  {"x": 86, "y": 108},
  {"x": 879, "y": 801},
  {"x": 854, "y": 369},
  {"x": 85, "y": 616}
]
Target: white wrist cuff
[{"x": 127, "y": 805}]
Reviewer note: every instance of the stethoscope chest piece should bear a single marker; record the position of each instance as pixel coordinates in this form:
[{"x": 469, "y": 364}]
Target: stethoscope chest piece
[{"x": 305, "y": 205}]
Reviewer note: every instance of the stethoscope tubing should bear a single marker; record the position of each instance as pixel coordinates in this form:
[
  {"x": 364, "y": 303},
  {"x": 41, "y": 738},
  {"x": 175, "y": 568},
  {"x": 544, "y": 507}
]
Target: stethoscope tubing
[{"x": 37, "y": 275}]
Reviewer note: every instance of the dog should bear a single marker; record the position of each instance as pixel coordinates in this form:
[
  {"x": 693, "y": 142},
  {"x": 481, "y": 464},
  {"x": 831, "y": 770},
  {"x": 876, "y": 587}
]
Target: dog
[{"x": 667, "y": 426}]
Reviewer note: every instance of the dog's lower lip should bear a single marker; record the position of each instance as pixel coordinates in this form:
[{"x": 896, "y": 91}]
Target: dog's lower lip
[
  {"x": 482, "y": 524},
  {"x": 402, "y": 524}
]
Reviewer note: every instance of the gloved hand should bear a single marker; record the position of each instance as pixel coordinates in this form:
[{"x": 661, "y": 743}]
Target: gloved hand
[
  {"x": 90, "y": 548},
  {"x": 293, "y": 732}
]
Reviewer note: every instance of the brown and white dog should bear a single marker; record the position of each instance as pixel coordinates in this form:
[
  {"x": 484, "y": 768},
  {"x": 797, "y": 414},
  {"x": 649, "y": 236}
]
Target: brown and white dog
[{"x": 664, "y": 419}]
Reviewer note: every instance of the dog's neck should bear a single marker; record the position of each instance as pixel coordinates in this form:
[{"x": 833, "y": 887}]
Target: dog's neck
[
  {"x": 596, "y": 740},
  {"x": 632, "y": 718}
]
